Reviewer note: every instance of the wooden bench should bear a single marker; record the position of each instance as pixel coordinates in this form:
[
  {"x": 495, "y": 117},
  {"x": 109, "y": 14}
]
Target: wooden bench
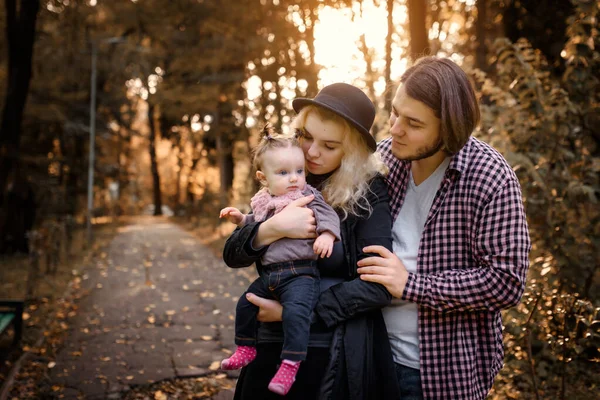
[{"x": 11, "y": 312}]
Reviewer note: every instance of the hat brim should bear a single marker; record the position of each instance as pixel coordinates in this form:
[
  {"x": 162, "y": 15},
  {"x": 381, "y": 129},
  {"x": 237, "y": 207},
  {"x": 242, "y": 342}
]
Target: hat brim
[{"x": 301, "y": 102}]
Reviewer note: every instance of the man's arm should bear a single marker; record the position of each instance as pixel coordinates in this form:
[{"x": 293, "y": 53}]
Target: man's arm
[{"x": 501, "y": 251}]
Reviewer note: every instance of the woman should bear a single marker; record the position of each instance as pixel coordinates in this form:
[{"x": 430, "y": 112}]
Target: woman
[{"x": 349, "y": 355}]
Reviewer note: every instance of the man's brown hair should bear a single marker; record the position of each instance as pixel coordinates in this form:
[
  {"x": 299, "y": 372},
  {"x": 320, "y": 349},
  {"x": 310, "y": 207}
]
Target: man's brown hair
[{"x": 445, "y": 88}]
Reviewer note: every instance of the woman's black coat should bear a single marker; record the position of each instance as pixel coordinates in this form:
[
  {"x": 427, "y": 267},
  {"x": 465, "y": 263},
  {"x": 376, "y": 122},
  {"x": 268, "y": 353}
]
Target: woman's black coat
[{"x": 361, "y": 365}]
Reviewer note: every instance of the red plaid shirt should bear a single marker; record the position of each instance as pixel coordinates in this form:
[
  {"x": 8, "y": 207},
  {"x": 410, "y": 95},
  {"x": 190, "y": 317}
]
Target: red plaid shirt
[{"x": 472, "y": 263}]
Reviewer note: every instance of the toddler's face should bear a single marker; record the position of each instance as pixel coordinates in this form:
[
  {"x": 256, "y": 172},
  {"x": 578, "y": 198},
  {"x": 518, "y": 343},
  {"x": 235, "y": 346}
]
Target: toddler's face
[{"x": 283, "y": 170}]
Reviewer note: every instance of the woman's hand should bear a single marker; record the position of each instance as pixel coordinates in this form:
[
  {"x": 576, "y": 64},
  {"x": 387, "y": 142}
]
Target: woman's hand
[
  {"x": 269, "y": 310},
  {"x": 295, "y": 221},
  {"x": 387, "y": 270}
]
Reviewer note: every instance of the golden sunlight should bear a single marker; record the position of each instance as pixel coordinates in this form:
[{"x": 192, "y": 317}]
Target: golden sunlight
[
  {"x": 337, "y": 37},
  {"x": 337, "y": 43}
]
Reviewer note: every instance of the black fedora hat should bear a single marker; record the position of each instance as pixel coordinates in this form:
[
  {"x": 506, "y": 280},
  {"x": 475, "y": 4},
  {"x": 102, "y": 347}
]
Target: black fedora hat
[{"x": 347, "y": 101}]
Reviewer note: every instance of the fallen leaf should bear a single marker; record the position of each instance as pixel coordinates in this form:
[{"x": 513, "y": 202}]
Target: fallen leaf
[
  {"x": 158, "y": 395},
  {"x": 51, "y": 364},
  {"x": 206, "y": 337},
  {"x": 215, "y": 365}
]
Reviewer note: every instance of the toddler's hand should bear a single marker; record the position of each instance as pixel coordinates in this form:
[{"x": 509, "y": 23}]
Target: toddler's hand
[
  {"x": 232, "y": 215},
  {"x": 324, "y": 244}
]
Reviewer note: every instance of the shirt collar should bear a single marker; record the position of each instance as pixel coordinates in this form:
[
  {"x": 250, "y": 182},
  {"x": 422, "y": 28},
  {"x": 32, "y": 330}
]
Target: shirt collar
[{"x": 459, "y": 162}]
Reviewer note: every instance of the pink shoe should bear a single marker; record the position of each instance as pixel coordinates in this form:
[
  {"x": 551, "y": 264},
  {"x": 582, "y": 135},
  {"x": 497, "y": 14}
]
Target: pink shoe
[
  {"x": 243, "y": 356},
  {"x": 284, "y": 378}
]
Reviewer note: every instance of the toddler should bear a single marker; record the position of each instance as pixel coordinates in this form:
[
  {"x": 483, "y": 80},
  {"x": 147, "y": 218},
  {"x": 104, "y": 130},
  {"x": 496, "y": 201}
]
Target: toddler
[{"x": 288, "y": 270}]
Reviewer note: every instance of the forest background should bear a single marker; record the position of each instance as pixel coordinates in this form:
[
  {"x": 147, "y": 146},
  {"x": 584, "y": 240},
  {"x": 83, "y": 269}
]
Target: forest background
[{"x": 171, "y": 95}]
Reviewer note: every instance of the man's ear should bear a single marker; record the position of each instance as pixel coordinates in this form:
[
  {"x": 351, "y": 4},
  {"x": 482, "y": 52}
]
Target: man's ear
[{"x": 261, "y": 177}]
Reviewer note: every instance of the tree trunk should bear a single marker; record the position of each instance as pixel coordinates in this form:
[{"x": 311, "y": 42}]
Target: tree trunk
[
  {"x": 313, "y": 76},
  {"x": 189, "y": 193},
  {"x": 20, "y": 32},
  {"x": 480, "y": 32},
  {"x": 224, "y": 152},
  {"x": 178, "y": 179},
  {"x": 370, "y": 76},
  {"x": 153, "y": 163},
  {"x": 278, "y": 107},
  {"x": 417, "y": 19},
  {"x": 388, "y": 57}
]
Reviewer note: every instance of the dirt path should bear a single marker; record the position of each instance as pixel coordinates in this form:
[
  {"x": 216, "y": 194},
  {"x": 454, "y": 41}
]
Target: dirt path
[{"x": 160, "y": 306}]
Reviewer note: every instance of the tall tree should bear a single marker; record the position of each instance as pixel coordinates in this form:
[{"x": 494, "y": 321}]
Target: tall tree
[
  {"x": 20, "y": 32},
  {"x": 153, "y": 163},
  {"x": 480, "y": 34},
  {"x": 417, "y": 17},
  {"x": 388, "y": 56}
]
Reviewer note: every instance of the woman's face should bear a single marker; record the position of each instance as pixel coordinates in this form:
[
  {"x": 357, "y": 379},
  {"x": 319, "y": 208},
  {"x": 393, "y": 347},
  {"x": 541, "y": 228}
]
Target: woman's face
[{"x": 322, "y": 144}]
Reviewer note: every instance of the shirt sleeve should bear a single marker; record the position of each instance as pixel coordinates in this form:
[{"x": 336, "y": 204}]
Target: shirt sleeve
[
  {"x": 326, "y": 217},
  {"x": 501, "y": 250},
  {"x": 347, "y": 299}
]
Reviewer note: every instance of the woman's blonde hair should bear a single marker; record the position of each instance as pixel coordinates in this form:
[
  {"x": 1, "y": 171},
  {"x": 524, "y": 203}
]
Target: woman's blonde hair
[{"x": 347, "y": 188}]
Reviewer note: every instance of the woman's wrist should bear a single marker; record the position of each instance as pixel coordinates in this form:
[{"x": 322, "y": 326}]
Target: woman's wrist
[{"x": 265, "y": 235}]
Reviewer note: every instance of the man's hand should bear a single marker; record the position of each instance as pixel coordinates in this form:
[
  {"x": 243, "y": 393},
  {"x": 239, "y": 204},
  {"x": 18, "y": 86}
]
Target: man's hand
[
  {"x": 232, "y": 215},
  {"x": 387, "y": 270},
  {"x": 268, "y": 310},
  {"x": 323, "y": 245}
]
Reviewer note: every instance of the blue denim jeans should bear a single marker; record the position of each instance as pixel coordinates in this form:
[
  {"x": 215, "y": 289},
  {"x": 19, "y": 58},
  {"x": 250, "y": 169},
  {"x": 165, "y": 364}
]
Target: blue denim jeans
[
  {"x": 409, "y": 380},
  {"x": 296, "y": 285}
]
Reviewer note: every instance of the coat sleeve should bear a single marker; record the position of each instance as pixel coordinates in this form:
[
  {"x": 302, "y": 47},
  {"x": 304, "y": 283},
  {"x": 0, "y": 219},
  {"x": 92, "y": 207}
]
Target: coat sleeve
[
  {"x": 501, "y": 248},
  {"x": 347, "y": 299},
  {"x": 238, "y": 251}
]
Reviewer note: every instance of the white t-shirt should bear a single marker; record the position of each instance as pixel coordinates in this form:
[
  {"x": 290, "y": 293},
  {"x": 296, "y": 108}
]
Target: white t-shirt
[{"x": 401, "y": 317}]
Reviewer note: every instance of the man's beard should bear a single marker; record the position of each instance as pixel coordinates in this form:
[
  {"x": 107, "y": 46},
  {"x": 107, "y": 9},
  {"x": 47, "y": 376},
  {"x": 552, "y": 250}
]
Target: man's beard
[{"x": 424, "y": 152}]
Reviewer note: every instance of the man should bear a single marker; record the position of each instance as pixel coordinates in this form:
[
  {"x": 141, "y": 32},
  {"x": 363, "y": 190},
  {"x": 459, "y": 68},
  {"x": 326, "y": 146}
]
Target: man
[{"x": 461, "y": 241}]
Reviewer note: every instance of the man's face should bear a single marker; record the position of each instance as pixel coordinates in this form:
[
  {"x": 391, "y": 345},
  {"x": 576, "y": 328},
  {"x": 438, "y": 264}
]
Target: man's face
[
  {"x": 414, "y": 128},
  {"x": 283, "y": 170}
]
